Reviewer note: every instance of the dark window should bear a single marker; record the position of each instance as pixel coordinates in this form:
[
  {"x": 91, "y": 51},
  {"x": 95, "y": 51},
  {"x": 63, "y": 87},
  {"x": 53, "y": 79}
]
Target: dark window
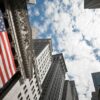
[
  {"x": 33, "y": 91},
  {"x": 2, "y": 7},
  {"x": 13, "y": 51},
  {"x": 25, "y": 91},
  {"x": 32, "y": 88},
  {"x": 16, "y": 62},
  {"x": 21, "y": 98},
  {"x": 10, "y": 37},
  {"x": 6, "y": 23},
  {"x": 31, "y": 82},
  {"x": 35, "y": 97},
  {"x": 19, "y": 95},
  {"x": 27, "y": 97},
  {"x": 24, "y": 87}
]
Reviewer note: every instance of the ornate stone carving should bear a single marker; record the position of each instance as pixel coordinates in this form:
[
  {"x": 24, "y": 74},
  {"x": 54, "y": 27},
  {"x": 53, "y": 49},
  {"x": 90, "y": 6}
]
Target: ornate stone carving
[{"x": 24, "y": 35}]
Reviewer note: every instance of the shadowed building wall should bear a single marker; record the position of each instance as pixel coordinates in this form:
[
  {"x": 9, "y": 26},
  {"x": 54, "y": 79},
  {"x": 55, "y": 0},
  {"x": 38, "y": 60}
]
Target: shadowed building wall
[
  {"x": 67, "y": 92},
  {"x": 96, "y": 81},
  {"x": 54, "y": 81},
  {"x": 91, "y": 4},
  {"x": 74, "y": 91}
]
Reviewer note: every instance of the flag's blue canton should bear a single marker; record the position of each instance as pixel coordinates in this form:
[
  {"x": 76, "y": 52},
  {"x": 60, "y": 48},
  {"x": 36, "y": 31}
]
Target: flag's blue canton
[{"x": 2, "y": 26}]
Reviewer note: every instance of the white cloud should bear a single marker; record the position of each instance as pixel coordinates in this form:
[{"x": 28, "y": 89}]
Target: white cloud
[
  {"x": 60, "y": 23},
  {"x": 32, "y": 13},
  {"x": 42, "y": 27},
  {"x": 29, "y": 10},
  {"x": 50, "y": 8},
  {"x": 65, "y": 2},
  {"x": 36, "y": 13},
  {"x": 88, "y": 22}
]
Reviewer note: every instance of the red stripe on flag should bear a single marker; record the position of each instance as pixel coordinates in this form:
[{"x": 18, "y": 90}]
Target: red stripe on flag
[
  {"x": 6, "y": 53},
  {"x": 12, "y": 57},
  {"x": 2, "y": 77},
  {"x": 2, "y": 56}
]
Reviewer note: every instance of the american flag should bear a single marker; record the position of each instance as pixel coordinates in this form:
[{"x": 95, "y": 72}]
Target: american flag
[{"x": 7, "y": 65}]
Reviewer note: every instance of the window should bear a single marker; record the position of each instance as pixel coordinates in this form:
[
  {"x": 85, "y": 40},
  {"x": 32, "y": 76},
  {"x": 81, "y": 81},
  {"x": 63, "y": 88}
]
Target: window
[
  {"x": 21, "y": 98},
  {"x": 25, "y": 91},
  {"x": 31, "y": 82},
  {"x": 33, "y": 91},
  {"x": 19, "y": 95},
  {"x": 35, "y": 98},
  {"x": 27, "y": 98},
  {"x": 24, "y": 87},
  {"x": 32, "y": 88},
  {"x": 38, "y": 91}
]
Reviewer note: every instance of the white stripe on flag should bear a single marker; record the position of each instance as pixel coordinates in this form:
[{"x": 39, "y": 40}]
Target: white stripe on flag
[
  {"x": 5, "y": 58},
  {"x": 3, "y": 70},
  {"x": 10, "y": 58}
]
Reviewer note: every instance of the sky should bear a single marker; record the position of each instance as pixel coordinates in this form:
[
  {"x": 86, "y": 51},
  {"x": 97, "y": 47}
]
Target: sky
[{"x": 75, "y": 33}]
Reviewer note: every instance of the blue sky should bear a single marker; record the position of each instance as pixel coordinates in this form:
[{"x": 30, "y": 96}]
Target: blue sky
[{"x": 74, "y": 32}]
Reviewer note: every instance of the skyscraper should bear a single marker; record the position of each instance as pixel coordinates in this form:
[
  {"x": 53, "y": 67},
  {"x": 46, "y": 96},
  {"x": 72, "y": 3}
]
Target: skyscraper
[
  {"x": 74, "y": 91},
  {"x": 94, "y": 96},
  {"x": 43, "y": 56},
  {"x": 96, "y": 81},
  {"x": 69, "y": 91},
  {"x": 91, "y": 4},
  {"x": 54, "y": 81}
]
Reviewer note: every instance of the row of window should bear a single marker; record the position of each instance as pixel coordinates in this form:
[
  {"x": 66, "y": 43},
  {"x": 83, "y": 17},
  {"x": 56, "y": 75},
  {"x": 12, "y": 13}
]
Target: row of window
[
  {"x": 44, "y": 63},
  {"x": 20, "y": 96},
  {"x": 35, "y": 97},
  {"x": 41, "y": 58},
  {"x": 25, "y": 91},
  {"x": 45, "y": 68},
  {"x": 44, "y": 71},
  {"x": 33, "y": 90}
]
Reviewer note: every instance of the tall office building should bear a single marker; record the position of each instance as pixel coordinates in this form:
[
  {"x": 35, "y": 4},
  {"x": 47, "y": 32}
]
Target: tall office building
[
  {"x": 96, "y": 81},
  {"x": 67, "y": 91},
  {"x": 43, "y": 56},
  {"x": 54, "y": 81},
  {"x": 27, "y": 91},
  {"x": 91, "y": 4},
  {"x": 94, "y": 96},
  {"x": 74, "y": 91}
]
